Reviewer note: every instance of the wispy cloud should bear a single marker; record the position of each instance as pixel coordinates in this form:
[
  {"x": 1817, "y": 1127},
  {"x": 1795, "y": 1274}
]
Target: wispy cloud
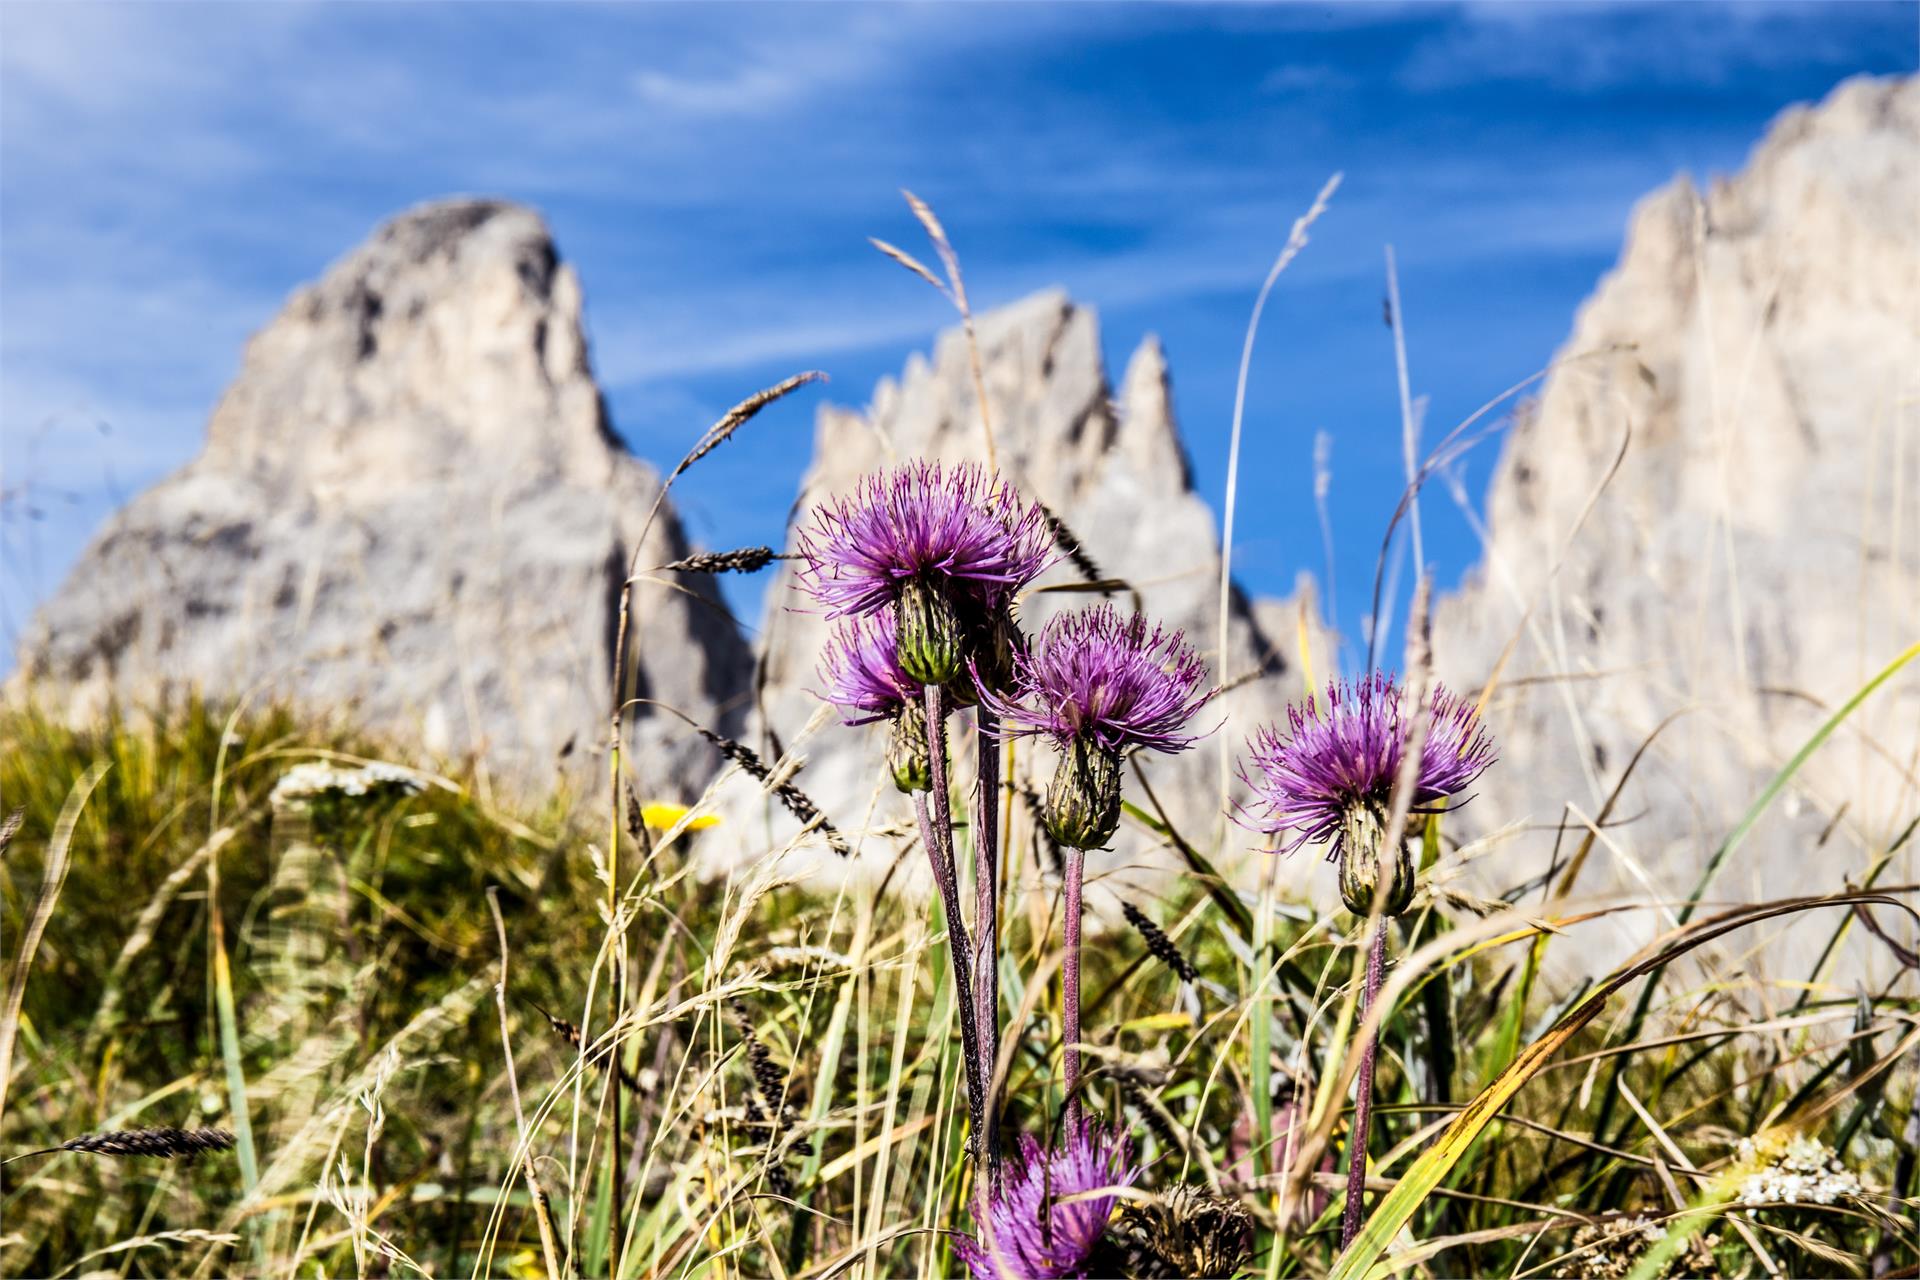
[{"x": 1591, "y": 48}]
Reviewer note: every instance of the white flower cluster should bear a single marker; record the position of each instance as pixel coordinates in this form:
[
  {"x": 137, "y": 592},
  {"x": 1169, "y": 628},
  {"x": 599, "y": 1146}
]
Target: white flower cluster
[
  {"x": 317, "y": 780},
  {"x": 1803, "y": 1171}
]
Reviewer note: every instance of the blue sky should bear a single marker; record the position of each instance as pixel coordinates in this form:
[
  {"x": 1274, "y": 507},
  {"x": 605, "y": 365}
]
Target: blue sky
[{"x": 169, "y": 172}]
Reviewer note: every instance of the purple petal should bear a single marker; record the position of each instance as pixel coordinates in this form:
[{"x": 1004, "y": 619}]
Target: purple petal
[
  {"x": 965, "y": 526},
  {"x": 1350, "y": 752},
  {"x": 1115, "y": 679},
  {"x": 861, "y": 668},
  {"x": 1050, "y": 1208}
]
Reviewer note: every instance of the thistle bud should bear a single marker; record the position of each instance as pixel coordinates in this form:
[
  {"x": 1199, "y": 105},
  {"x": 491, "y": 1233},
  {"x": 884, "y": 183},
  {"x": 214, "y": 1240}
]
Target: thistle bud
[
  {"x": 1083, "y": 802},
  {"x": 909, "y": 758},
  {"x": 929, "y": 633},
  {"x": 1363, "y": 861},
  {"x": 997, "y": 641}
]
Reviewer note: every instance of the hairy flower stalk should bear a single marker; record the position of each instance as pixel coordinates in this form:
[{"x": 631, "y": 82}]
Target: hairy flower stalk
[
  {"x": 938, "y": 833},
  {"x": 867, "y": 680},
  {"x": 924, "y": 562},
  {"x": 986, "y": 920},
  {"x": 1098, "y": 684},
  {"x": 1047, "y": 1215},
  {"x": 1332, "y": 779}
]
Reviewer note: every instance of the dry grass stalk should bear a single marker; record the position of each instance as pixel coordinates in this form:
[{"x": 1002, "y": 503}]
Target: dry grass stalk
[
  {"x": 738, "y": 416},
  {"x": 741, "y": 560},
  {"x": 161, "y": 1143},
  {"x": 911, "y": 263},
  {"x": 542, "y": 1207},
  {"x": 1296, "y": 241},
  {"x": 716, "y": 435},
  {"x": 1070, "y": 544},
  {"x": 52, "y": 877},
  {"x": 1160, "y": 944},
  {"x": 954, "y": 290},
  {"x": 796, "y": 801},
  {"x": 145, "y": 927}
]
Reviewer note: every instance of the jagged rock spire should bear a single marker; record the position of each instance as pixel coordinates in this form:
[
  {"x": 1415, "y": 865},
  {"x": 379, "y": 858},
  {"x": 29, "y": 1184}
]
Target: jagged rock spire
[
  {"x": 1752, "y": 561},
  {"x": 410, "y": 513},
  {"x": 1115, "y": 471}
]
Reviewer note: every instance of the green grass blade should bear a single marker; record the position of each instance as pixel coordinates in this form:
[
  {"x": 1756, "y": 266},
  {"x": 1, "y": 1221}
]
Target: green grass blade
[
  {"x": 1399, "y": 1205},
  {"x": 1780, "y": 779},
  {"x": 1755, "y": 811}
]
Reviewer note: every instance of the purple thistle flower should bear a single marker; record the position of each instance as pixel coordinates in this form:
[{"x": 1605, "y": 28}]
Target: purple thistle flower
[
  {"x": 965, "y": 529},
  {"x": 1114, "y": 681},
  {"x": 861, "y": 668},
  {"x": 1348, "y": 755},
  {"x": 1051, "y": 1208}
]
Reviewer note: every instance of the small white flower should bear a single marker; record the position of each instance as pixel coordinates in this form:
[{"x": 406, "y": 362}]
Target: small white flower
[
  {"x": 1803, "y": 1170},
  {"x": 317, "y": 780}
]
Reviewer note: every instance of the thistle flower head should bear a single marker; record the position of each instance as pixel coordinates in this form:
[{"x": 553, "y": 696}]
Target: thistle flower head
[
  {"x": 962, "y": 530},
  {"x": 861, "y": 668},
  {"x": 1050, "y": 1209},
  {"x": 1113, "y": 680},
  {"x": 1342, "y": 758}
]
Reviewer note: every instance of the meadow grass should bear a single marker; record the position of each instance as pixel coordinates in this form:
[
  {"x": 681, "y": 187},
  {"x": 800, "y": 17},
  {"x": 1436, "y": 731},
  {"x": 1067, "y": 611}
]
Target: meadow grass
[
  {"x": 275, "y": 1007},
  {"x": 789, "y": 1061}
]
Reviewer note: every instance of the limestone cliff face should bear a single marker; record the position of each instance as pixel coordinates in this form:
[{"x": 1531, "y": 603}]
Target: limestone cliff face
[
  {"x": 1114, "y": 469},
  {"x": 1754, "y": 364},
  {"x": 409, "y": 513}
]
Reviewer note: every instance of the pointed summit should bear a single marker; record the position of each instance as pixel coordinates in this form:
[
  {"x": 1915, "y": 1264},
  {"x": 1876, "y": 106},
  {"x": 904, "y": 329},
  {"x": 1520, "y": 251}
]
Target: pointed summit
[
  {"x": 1116, "y": 475},
  {"x": 1701, "y": 534},
  {"x": 410, "y": 514}
]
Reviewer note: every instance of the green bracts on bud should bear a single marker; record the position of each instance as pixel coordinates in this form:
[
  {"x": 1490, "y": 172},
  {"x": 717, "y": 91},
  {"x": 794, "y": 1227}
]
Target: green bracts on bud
[
  {"x": 1363, "y": 831},
  {"x": 908, "y": 758},
  {"x": 929, "y": 633},
  {"x": 1083, "y": 802}
]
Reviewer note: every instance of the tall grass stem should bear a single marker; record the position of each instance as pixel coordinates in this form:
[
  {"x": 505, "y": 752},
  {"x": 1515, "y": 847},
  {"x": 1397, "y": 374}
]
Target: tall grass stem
[
  {"x": 1296, "y": 241},
  {"x": 1352, "y": 1213}
]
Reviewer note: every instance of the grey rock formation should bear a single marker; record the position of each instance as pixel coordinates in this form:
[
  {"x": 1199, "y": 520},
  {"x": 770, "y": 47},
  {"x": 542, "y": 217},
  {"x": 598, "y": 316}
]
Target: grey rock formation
[
  {"x": 1114, "y": 469},
  {"x": 409, "y": 513},
  {"x": 1754, "y": 560}
]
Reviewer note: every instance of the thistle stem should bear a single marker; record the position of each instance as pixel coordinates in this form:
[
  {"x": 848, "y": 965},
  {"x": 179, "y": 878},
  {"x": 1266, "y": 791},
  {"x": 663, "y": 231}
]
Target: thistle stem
[
  {"x": 1363, "y": 1093},
  {"x": 936, "y": 833},
  {"x": 986, "y": 926},
  {"x": 1070, "y": 986}
]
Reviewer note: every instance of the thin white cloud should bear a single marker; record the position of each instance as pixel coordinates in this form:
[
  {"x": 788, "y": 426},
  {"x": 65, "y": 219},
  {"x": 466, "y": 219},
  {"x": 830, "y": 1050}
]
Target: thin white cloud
[
  {"x": 1593, "y": 47},
  {"x": 745, "y": 91},
  {"x": 630, "y": 351},
  {"x": 1307, "y": 77}
]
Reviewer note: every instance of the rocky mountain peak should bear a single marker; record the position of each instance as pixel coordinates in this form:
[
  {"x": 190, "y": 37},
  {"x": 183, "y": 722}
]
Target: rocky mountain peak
[
  {"x": 409, "y": 514},
  {"x": 1114, "y": 469},
  {"x": 1749, "y": 563},
  {"x": 453, "y": 332}
]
